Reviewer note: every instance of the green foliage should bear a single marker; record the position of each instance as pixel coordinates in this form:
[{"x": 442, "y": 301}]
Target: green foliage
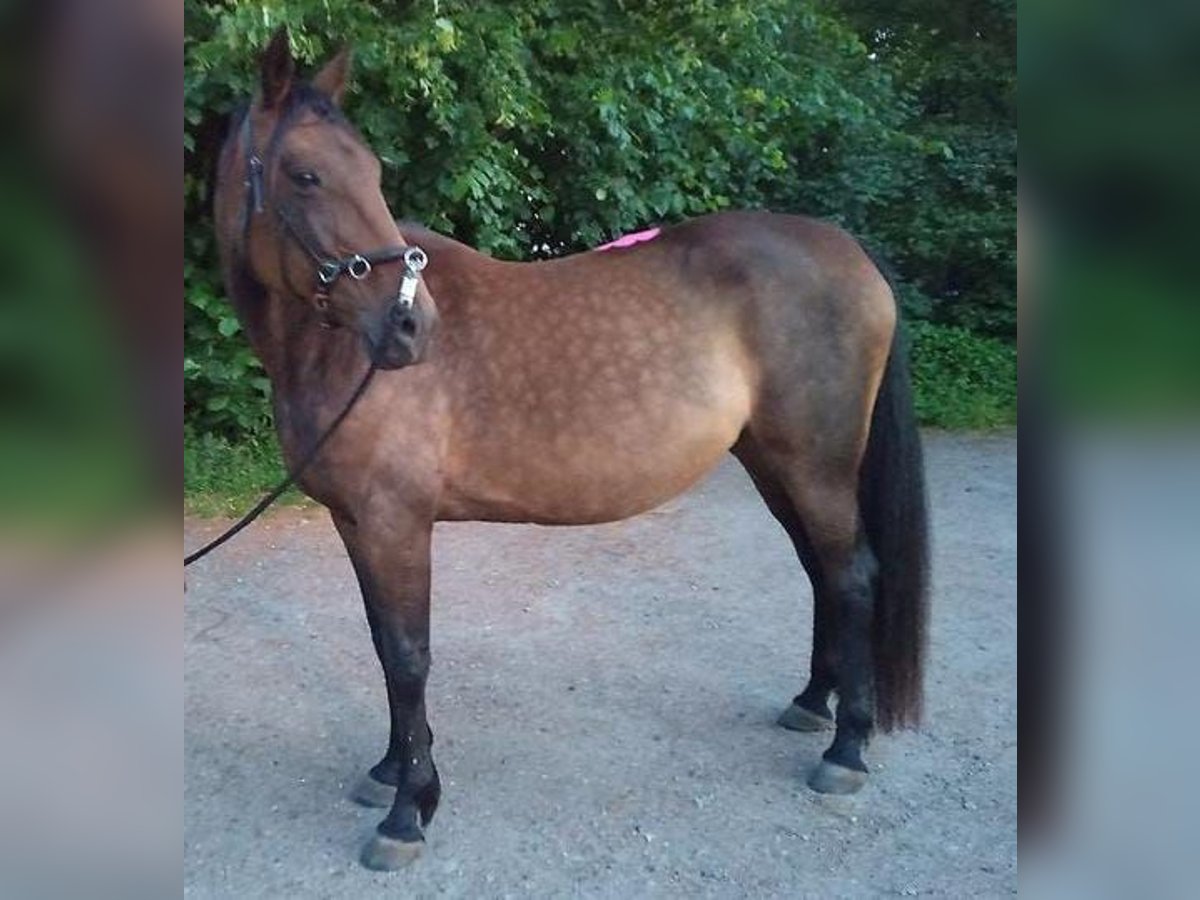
[
  {"x": 225, "y": 478},
  {"x": 543, "y": 127},
  {"x": 962, "y": 379},
  {"x": 953, "y": 234},
  {"x": 225, "y": 389}
]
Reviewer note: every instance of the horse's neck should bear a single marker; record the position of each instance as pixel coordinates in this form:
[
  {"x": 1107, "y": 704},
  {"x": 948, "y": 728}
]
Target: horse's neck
[{"x": 310, "y": 367}]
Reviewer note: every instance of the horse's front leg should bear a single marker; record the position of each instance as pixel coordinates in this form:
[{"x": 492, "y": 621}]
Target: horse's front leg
[{"x": 391, "y": 560}]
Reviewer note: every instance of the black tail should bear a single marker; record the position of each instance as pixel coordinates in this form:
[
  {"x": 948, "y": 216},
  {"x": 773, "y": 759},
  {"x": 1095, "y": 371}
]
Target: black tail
[{"x": 891, "y": 498}]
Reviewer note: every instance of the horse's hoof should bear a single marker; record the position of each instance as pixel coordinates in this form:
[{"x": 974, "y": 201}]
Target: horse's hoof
[
  {"x": 385, "y": 854},
  {"x": 830, "y": 778},
  {"x": 373, "y": 793},
  {"x": 797, "y": 718}
]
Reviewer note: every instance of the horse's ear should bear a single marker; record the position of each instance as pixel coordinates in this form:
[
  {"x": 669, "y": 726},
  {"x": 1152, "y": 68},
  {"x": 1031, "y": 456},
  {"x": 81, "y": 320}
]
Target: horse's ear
[
  {"x": 278, "y": 69},
  {"x": 333, "y": 78}
]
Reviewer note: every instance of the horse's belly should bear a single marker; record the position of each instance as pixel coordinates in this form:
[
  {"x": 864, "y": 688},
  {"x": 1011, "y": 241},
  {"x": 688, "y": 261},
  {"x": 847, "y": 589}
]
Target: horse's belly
[
  {"x": 600, "y": 483},
  {"x": 600, "y": 459}
]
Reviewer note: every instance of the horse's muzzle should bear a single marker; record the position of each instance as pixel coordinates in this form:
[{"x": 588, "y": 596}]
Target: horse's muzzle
[{"x": 401, "y": 336}]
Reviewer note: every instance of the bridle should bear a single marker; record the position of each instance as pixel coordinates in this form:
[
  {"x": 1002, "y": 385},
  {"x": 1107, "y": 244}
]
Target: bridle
[{"x": 357, "y": 266}]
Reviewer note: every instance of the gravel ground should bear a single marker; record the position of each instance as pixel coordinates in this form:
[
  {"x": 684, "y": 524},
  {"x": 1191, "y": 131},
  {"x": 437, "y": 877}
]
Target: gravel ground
[{"x": 603, "y": 700}]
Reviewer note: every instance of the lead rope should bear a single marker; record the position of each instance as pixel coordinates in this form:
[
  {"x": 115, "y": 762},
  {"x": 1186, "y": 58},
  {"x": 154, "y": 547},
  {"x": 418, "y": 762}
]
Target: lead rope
[{"x": 277, "y": 492}]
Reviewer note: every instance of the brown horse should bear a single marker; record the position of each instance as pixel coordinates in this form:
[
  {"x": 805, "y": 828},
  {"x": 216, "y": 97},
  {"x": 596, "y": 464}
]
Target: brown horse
[{"x": 584, "y": 389}]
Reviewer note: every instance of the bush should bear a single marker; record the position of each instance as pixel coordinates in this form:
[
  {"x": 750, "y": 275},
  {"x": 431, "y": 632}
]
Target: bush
[
  {"x": 221, "y": 477},
  {"x": 961, "y": 379}
]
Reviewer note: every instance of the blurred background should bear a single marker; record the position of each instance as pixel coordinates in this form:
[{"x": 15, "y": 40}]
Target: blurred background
[
  {"x": 91, "y": 346},
  {"x": 1110, "y": 388},
  {"x": 540, "y": 128}
]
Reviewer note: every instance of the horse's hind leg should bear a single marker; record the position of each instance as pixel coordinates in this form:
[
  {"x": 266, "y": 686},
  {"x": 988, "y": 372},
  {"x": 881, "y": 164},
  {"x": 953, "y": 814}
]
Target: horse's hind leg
[
  {"x": 809, "y": 710},
  {"x": 822, "y": 490}
]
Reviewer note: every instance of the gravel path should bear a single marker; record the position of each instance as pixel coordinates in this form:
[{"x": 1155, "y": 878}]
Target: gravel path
[{"x": 603, "y": 700}]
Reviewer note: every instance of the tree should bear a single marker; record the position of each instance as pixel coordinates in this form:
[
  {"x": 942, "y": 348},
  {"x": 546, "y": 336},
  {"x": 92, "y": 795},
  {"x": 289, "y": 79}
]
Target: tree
[{"x": 954, "y": 235}]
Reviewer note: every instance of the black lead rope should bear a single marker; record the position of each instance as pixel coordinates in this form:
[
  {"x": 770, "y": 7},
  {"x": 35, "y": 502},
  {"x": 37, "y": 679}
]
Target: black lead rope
[{"x": 277, "y": 492}]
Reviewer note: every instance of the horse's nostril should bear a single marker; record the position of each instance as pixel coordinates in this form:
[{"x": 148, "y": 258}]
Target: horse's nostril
[{"x": 408, "y": 326}]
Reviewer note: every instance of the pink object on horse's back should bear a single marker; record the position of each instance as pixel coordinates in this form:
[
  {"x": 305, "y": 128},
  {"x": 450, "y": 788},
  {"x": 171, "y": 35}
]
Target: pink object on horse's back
[{"x": 628, "y": 240}]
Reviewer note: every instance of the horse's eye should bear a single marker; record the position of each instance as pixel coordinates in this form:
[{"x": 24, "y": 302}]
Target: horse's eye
[{"x": 305, "y": 179}]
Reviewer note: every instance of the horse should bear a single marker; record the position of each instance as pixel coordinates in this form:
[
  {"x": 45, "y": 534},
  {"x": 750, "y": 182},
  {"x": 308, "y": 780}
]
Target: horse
[{"x": 577, "y": 390}]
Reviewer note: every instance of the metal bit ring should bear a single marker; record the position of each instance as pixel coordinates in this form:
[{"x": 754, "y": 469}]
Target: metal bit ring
[
  {"x": 415, "y": 259},
  {"x": 358, "y": 268}
]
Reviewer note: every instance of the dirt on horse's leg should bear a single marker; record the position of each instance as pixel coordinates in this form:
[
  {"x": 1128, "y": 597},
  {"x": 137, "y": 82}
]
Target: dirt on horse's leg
[
  {"x": 393, "y": 572},
  {"x": 809, "y": 710}
]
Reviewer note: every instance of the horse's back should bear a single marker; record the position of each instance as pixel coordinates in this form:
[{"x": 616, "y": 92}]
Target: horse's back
[{"x": 597, "y": 386}]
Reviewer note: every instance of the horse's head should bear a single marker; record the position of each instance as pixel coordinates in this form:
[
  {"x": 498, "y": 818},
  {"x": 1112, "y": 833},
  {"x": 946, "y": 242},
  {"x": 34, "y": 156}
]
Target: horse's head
[{"x": 299, "y": 208}]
